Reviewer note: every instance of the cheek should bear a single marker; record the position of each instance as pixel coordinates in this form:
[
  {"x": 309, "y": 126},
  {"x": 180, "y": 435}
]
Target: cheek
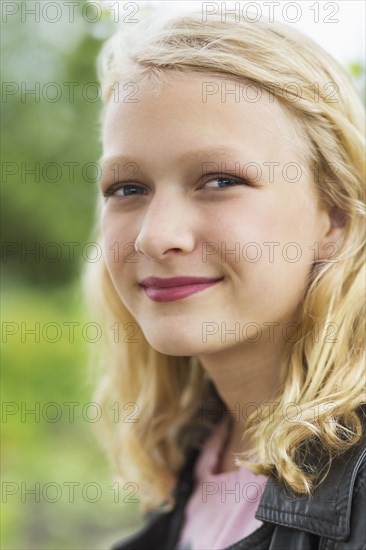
[
  {"x": 288, "y": 222},
  {"x": 275, "y": 253},
  {"x": 249, "y": 221},
  {"x": 118, "y": 247}
]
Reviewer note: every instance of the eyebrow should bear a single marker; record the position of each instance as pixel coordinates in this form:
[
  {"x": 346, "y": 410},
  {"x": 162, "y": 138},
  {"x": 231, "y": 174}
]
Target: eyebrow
[{"x": 199, "y": 154}]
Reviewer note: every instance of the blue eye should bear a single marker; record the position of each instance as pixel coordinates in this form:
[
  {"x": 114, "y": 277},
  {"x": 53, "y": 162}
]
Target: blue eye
[
  {"x": 225, "y": 180},
  {"x": 129, "y": 190}
]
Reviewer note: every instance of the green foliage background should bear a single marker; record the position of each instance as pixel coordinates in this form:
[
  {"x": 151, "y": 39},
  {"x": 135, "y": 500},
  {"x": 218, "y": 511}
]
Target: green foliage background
[
  {"x": 37, "y": 211},
  {"x": 36, "y": 290}
]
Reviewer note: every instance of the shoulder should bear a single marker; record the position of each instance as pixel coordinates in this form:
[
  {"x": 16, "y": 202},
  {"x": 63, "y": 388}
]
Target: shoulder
[{"x": 336, "y": 508}]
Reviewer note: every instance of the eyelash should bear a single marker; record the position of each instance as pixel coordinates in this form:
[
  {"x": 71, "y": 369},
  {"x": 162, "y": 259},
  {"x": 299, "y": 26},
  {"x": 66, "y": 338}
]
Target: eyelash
[{"x": 116, "y": 187}]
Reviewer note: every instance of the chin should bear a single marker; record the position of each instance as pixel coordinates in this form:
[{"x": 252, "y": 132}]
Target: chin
[{"x": 176, "y": 345}]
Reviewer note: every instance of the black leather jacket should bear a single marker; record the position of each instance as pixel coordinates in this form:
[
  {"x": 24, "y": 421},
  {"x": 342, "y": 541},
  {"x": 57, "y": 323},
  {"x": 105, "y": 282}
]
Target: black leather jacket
[{"x": 333, "y": 519}]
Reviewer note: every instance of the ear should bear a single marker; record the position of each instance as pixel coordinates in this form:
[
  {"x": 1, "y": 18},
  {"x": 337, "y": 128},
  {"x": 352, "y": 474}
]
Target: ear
[{"x": 333, "y": 235}]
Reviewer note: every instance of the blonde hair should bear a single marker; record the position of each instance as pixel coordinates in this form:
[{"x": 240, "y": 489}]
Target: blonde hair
[{"x": 323, "y": 379}]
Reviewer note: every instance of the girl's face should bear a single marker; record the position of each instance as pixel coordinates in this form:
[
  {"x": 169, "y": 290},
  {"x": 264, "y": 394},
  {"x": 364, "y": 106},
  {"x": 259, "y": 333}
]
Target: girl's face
[{"x": 209, "y": 185}]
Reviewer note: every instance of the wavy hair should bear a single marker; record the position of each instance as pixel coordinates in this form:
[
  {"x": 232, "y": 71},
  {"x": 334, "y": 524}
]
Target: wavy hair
[{"x": 151, "y": 402}]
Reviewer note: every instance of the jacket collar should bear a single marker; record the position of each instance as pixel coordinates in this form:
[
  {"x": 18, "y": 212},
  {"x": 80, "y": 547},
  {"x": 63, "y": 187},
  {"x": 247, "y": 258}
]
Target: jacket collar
[{"x": 327, "y": 513}]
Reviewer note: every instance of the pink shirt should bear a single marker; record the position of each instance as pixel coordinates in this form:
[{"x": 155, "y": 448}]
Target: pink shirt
[{"x": 221, "y": 509}]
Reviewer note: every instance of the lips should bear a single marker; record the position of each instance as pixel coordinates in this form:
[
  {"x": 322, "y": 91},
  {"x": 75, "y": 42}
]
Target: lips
[
  {"x": 157, "y": 282},
  {"x": 175, "y": 288}
]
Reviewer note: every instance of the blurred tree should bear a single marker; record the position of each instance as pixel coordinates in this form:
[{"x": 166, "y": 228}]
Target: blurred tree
[
  {"x": 357, "y": 71},
  {"x": 50, "y": 151}
]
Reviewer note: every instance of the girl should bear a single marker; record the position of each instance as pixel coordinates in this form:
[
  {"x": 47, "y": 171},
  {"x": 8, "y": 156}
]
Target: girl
[{"x": 231, "y": 286}]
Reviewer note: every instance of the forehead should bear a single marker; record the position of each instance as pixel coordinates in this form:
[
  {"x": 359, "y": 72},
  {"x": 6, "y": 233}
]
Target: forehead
[{"x": 193, "y": 109}]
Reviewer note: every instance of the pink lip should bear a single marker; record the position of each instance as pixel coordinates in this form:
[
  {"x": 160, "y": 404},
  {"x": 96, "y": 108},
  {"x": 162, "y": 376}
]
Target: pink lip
[
  {"x": 157, "y": 282},
  {"x": 176, "y": 288}
]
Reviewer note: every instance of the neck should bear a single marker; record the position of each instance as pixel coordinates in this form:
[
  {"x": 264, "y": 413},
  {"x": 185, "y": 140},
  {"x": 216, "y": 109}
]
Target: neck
[{"x": 247, "y": 378}]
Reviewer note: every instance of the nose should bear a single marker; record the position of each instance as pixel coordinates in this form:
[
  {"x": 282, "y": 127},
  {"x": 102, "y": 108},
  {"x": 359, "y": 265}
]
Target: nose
[{"x": 167, "y": 227}]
